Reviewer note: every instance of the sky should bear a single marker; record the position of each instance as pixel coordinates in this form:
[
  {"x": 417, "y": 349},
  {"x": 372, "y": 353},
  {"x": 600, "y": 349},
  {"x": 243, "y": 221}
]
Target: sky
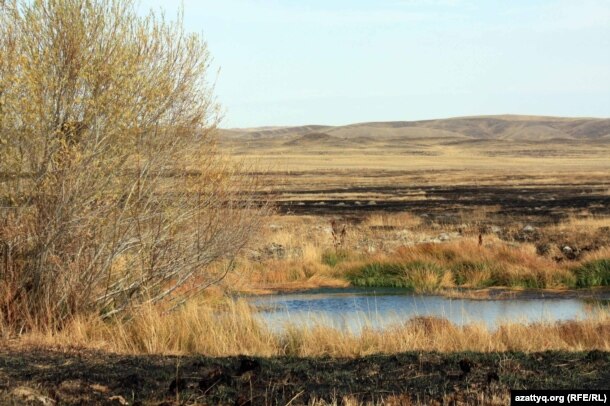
[{"x": 334, "y": 62}]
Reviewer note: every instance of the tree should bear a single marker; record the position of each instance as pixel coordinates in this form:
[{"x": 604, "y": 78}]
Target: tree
[{"x": 112, "y": 190}]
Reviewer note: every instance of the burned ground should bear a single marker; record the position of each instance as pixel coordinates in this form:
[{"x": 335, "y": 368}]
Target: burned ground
[
  {"x": 90, "y": 377},
  {"x": 549, "y": 203}
]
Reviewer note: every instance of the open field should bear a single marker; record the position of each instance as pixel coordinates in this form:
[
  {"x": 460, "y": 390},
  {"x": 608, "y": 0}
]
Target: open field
[
  {"x": 149, "y": 256},
  {"x": 536, "y": 168},
  {"x": 395, "y": 186}
]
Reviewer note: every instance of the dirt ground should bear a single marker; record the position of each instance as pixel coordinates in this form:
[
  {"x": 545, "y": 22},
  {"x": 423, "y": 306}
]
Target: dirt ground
[{"x": 42, "y": 376}]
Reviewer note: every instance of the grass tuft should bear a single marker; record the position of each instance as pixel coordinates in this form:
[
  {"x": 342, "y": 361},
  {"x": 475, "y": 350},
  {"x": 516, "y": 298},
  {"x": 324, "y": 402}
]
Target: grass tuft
[
  {"x": 334, "y": 258},
  {"x": 593, "y": 273}
]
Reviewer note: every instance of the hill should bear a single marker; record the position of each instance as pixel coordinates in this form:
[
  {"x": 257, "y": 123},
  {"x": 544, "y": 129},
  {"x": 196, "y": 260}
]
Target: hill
[
  {"x": 490, "y": 132},
  {"x": 513, "y": 127}
]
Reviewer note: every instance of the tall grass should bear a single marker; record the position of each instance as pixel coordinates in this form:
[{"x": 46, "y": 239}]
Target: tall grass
[
  {"x": 235, "y": 329},
  {"x": 397, "y": 251},
  {"x": 593, "y": 273},
  {"x": 430, "y": 267}
]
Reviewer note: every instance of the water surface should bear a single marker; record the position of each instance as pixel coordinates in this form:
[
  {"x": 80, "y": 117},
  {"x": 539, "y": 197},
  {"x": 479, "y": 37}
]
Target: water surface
[{"x": 353, "y": 309}]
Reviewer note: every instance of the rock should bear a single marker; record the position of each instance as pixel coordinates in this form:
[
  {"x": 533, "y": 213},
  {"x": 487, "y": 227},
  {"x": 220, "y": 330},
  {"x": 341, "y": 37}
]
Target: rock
[
  {"x": 528, "y": 229},
  {"x": 495, "y": 229},
  {"x": 443, "y": 237},
  {"x": 570, "y": 253},
  {"x": 275, "y": 227}
]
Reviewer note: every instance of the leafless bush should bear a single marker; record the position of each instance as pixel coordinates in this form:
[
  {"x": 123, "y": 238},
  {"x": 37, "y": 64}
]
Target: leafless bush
[{"x": 112, "y": 191}]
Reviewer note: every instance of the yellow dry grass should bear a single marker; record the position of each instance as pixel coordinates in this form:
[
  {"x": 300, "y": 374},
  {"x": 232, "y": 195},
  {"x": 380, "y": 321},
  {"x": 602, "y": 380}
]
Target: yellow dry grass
[
  {"x": 235, "y": 329},
  {"x": 310, "y": 255}
]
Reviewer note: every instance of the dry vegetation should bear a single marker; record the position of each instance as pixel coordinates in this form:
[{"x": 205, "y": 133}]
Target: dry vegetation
[
  {"x": 99, "y": 209},
  {"x": 234, "y": 329},
  {"x": 402, "y": 250},
  {"x": 117, "y": 206}
]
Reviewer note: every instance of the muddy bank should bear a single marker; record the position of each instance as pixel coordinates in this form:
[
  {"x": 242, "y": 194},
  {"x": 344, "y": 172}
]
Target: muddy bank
[{"x": 92, "y": 377}]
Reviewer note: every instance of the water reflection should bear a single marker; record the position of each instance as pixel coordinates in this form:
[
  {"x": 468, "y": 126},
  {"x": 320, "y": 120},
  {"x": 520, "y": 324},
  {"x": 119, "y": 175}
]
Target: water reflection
[{"x": 354, "y": 309}]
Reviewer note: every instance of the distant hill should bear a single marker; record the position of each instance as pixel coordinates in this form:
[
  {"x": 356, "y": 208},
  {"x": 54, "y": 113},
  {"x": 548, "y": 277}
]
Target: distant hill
[{"x": 466, "y": 131}]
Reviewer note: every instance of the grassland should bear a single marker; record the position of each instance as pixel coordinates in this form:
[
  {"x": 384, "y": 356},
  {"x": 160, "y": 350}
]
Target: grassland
[
  {"x": 489, "y": 207},
  {"x": 402, "y": 250}
]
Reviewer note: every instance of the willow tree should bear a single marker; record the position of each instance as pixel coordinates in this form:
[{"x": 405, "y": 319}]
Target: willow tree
[{"x": 112, "y": 190}]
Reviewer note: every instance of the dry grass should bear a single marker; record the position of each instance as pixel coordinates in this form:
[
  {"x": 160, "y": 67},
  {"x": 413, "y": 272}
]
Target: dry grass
[
  {"x": 235, "y": 329},
  {"x": 299, "y": 252}
]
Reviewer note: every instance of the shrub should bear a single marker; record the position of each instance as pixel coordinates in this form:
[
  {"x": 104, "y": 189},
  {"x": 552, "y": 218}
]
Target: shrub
[{"x": 112, "y": 192}]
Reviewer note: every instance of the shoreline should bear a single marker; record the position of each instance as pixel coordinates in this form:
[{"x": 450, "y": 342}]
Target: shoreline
[{"x": 491, "y": 293}]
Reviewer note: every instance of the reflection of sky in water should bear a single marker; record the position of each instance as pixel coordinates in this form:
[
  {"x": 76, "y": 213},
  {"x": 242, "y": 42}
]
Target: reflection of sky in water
[{"x": 354, "y": 310}]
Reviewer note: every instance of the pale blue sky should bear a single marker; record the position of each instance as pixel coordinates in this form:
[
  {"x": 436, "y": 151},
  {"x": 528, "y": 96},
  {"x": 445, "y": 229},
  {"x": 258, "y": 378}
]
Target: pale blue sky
[{"x": 344, "y": 61}]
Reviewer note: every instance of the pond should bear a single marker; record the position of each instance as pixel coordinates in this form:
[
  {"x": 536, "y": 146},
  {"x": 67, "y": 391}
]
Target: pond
[{"x": 353, "y": 309}]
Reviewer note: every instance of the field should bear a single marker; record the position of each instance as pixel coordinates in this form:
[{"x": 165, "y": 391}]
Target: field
[
  {"x": 482, "y": 207},
  {"x": 532, "y": 188},
  {"x": 524, "y": 168}
]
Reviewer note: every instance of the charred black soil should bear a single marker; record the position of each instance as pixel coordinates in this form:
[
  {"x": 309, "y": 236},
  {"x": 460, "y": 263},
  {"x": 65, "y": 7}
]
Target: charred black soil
[
  {"x": 540, "y": 204},
  {"x": 91, "y": 377}
]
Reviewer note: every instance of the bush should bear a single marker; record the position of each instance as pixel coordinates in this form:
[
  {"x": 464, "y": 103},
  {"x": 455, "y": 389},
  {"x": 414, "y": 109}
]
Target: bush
[
  {"x": 593, "y": 273},
  {"x": 112, "y": 192}
]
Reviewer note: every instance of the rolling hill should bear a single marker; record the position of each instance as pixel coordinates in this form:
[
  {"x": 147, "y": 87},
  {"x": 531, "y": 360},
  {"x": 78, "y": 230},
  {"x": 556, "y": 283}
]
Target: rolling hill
[{"x": 508, "y": 127}]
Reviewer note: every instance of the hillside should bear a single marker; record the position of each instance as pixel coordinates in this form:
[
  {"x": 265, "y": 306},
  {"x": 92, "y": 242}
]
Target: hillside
[{"x": 482, "y": 131}]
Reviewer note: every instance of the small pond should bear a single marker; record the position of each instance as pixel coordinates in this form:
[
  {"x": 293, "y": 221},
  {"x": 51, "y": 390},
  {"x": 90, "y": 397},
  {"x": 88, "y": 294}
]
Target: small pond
[{"x": 353, "y": 309}]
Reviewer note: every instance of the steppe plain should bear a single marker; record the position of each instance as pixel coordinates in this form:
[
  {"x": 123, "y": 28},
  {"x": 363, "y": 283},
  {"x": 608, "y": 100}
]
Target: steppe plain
[{"x": 529, "y": 193}]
